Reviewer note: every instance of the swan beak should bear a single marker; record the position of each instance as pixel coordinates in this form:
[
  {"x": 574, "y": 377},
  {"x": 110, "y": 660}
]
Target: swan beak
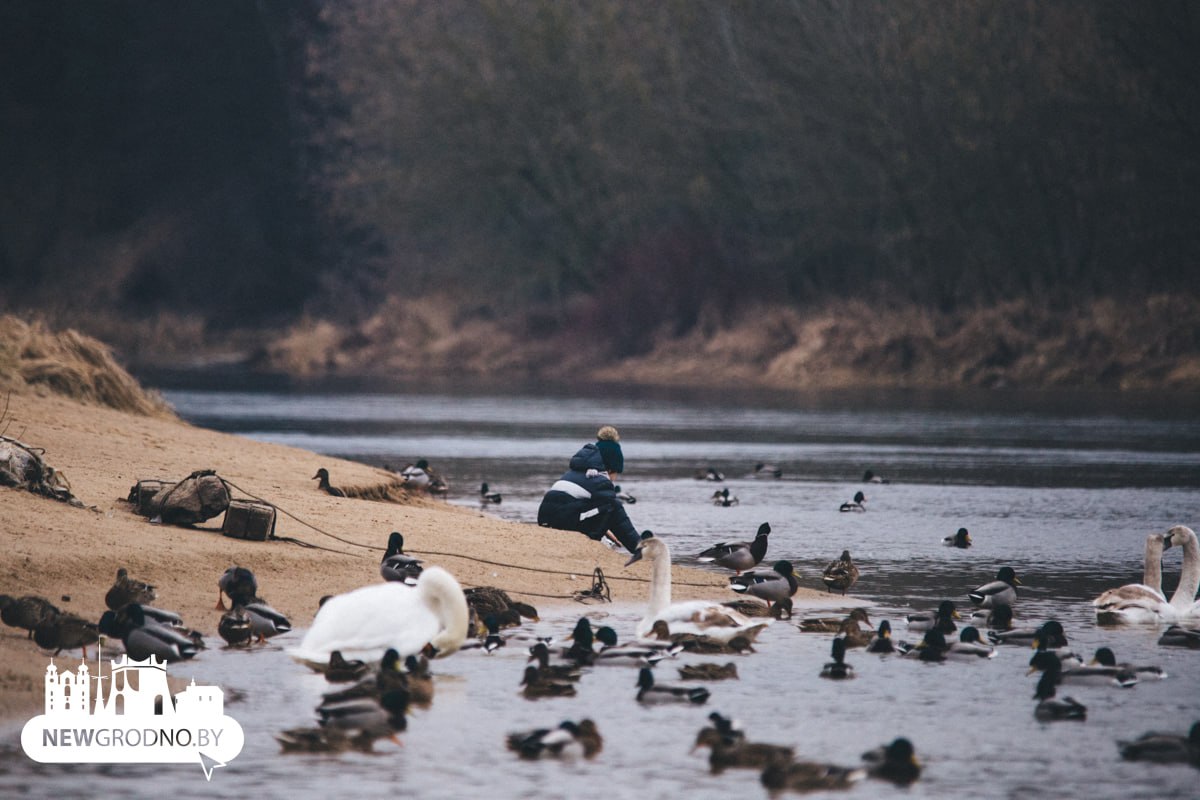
[{"x": 637, "y": 556}]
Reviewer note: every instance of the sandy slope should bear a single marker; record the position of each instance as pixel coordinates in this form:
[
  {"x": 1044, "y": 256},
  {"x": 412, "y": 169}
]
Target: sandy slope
[{"x": 53, "y": 549}]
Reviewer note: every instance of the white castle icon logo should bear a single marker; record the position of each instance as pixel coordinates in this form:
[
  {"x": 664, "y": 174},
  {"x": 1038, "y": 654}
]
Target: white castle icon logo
[
  {"x": 138, "y": 688},
  {"x": 138, "y": 721}
]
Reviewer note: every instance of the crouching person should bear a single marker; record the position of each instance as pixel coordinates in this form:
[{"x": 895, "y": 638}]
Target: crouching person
[{"x": 584, "y": 499}]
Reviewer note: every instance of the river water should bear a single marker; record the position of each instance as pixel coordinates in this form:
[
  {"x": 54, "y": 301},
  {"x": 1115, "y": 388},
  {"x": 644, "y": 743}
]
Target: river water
[{"x": 1063, "y": 488}]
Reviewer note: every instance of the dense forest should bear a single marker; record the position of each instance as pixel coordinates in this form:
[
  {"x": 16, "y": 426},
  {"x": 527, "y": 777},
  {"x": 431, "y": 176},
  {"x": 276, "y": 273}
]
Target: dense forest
[{"x": 626, "y": 166}]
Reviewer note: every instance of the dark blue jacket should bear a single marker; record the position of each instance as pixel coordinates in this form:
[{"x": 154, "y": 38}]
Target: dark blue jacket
[{"x": 589, "y": 503}]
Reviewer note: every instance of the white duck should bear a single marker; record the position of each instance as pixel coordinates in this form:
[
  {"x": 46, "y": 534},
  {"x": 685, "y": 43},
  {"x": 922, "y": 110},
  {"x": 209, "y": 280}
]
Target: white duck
[
  {"x": 700, "y": 617},
  {"x": 365, "y": 622}
]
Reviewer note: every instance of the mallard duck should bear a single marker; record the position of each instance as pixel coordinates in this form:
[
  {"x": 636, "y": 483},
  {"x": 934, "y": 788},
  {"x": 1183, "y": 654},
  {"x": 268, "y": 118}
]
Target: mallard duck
[
  {"x": 126, "y": 590},
  {"x": 999, "y": 618},
  {"x": 728, "y": 748},
  {"x": 709, "y": 474},
  {"x": 26, "y": 612},
  {"x": 723, "y": 498},
  {"x": 833, "y": 624},
  {"x": 895, "y": 762},
  {"x": 961, "y": 540},
  {"x": 559, "y": 671},
  {"x": 764, "y": 470},
  {"x": 1164, "y": 748},
  {"x": 738, "y": 556},
  {"x": 641, "y": 653},
  {"x": 840, "y": 575},
  {"x": 1002, "y": 590},
  {"x": 342, "y": 670},
  {"x": 418, "y": 475},
  {"x": 322, "y": 478},
  {"x": 265, "y": 621},
  {"x": 778, "y": 584},
  {"x": 491, "y": 642},
  {"x": 486, "y": 496},
  {"x": 751, "y": 608},
  {"x": 397, "y": 565},
  {"x": 537, "y": 685},
  {"x": 417, "y": 676},
  {"x": 698, "y": 643},
  {"x": 881, "y": 642},
  {"x": 1179, "y": 636},
  {"x": 1050, "y": 638},
  {"x": 144, "y": 637},
  {"x": 235, "y": 582},
  {"x": 942, "y": 619},
  {"x": 490, "y": 600},
  {"x": 697, "y": 616},
  {"x": 364, "y": 623},
  {"x": 382, "y": 716},
  {"x": 568, "y": 739},
  {"x": 1049, "y": 707},
  {"x": 1086, "y": 674},
  {"x": 708, "y": 672},
  {"x": 853, "y": 635},
  {"x": 651, "y": 692},
  {"x": 623, "y": 496},
  {"x": 837, "y": 669},
  {"x": 857, "y": 504},
  {"x": 970, "y": 646},
  {"x": 66, "y": 631},
  {"x": 1105, "y": 657},
  {"x": 932, "y": 647},
  {"x": 323, "y": 740},
  {"x": 809, "y": 776},
  {"x": 234, "y": 627},
  {"x": 871, "y": 477}
]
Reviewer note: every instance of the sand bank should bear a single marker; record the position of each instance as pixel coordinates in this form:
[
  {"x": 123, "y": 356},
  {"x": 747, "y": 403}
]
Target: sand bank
[{"x": 55, "y": 550}]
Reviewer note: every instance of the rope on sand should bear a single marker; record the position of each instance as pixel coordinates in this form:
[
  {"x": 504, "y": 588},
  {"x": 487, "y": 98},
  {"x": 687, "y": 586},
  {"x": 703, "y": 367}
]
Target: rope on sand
[{"x": 599, "y": 586}]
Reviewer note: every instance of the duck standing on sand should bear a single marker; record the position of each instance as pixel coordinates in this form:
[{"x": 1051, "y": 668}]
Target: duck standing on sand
[
  {"x": 66, "y": 632},
  {"x": 738, "y": 556},
  {"x": 235, "y": 582},
  {"x": 126, "y": 590},
  {"x": 26, "y": 612},
  {"x": 774, "y": 586},
  {"x": 841, "y": 574},
  {"x": 322, "y": 478},
  {"x": 398, "y": 565}
]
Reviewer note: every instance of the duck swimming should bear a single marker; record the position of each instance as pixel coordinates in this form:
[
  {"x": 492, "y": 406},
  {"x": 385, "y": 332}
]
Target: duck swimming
[
  {"x": 738, "y": 556},
  {"x": 833, "y": 624},
  {"x": 856, "y": 504},
  {"x": 837, "y": 669},
  {"x": 961, "y": 540},
  {"x": 651, "y": 692},
  {"x": 696, "y": 616},
  {"x": 1049, "y": 707},
  {"x": 942, "y": 619},
  {"x": 895, "y": 762},
  {"x": 724, "y": 499},
  {"x": 486, "y": 496},
  {"x": 568, "y": 739},
  {"x": 881, "y": 642},
  {"x": 1164, "y": 748},
  {"x": 969, "y": 646},
  {"x": 365, "y": 622},
  {"x": 1002, "y": 590}
]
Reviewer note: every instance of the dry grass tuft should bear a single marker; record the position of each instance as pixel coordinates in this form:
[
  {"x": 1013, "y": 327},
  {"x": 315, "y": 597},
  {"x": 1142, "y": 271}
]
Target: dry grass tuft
[{"x": 35, "y": 359}]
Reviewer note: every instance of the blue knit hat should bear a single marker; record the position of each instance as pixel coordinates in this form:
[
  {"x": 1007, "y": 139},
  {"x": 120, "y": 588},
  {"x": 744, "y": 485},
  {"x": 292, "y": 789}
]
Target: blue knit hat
[{"x": 607, "y": 440}]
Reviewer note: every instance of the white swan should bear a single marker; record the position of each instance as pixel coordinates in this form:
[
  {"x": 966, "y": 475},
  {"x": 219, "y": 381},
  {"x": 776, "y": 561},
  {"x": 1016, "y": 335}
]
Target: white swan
[
  {"x": 1138, "y": 602},
  {"x": 1183, "y": 600},
  {"x": 1141, "y": 602},
  {"x": 700, "y": 617},
  {"x": 365, "y": 622}
]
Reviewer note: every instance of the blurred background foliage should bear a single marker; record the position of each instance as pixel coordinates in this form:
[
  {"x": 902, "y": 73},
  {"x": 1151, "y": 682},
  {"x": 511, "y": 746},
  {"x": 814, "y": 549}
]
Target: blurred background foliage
[{"x": 627, "y": 166}]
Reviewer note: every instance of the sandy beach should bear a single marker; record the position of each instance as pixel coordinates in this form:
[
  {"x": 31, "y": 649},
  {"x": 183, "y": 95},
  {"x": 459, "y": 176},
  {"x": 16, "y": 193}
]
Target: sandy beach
[{"x": 59, "y": 551}]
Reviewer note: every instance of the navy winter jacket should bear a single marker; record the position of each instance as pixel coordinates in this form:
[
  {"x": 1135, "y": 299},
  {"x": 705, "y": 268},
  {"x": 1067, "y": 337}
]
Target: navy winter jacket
[{"x": 585, "y": 500}]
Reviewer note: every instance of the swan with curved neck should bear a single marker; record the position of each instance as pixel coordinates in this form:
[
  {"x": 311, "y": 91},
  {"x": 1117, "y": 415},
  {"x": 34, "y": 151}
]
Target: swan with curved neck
[
  {"x": 430, "y": 617},
  {"x": 701, "y": 617},
  {"x": 1183, "y": 600},
  {"x": 1138, "y": 602}
]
